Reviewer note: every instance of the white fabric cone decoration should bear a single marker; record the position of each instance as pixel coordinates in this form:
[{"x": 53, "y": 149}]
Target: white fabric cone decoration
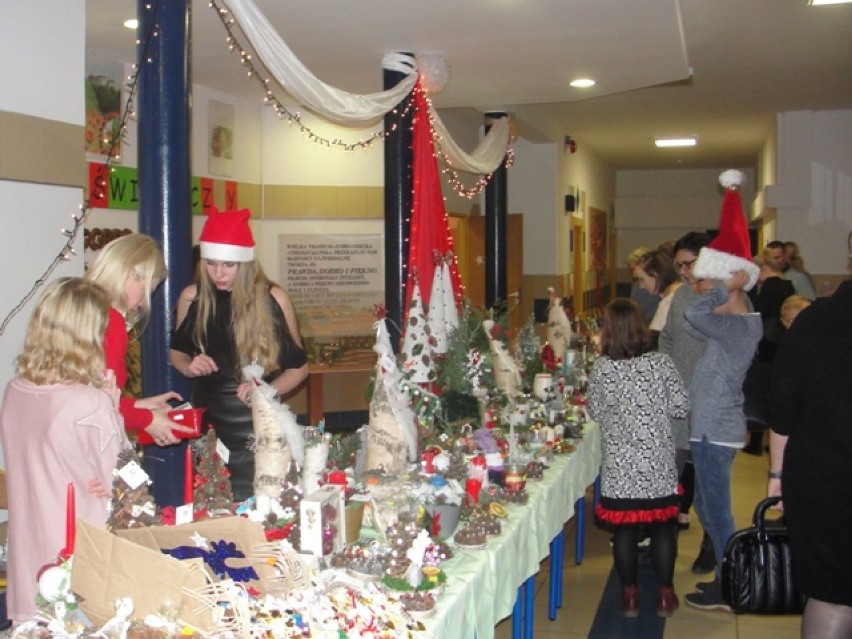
[
  {"x": 392, "y": 429},
  {"x": 507, "y": 376},
  {"x": 558, "y": 326},
  {"x": 451, "y": 311},
  {"x": 417, "y": 343},
  {"x": 316, "y": 457},
  {"x": 290, "y": 429},
  {"x": 436, "y": 318},
  {"x": 271, "y": 454}
]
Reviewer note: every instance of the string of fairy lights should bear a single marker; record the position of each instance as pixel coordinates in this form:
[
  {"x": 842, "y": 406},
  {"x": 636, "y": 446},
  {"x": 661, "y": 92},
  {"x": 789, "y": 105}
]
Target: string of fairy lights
[
  {"x": 271, "y": 100},
  {"x": 79, "y": 218},
  {"x": 253, "y": 71}
]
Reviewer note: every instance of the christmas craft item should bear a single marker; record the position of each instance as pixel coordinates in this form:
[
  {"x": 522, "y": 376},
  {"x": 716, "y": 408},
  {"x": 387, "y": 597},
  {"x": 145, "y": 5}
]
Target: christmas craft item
[
  {"x": 392, "y": 431},
  {"x": 417, "y": 342},
  {"x": 558, "y": 326},
  {"x": 507, "y": 377},
  {"x": 212, "y": 496},
  {"x": 132, "y": 505},
  {"x": 730, "y": 250},
  {"x": 290, "y": 428},
  {"x": 430, "y": 229},
  {"x": 316, "y": 456},
  {"x": 321, "y": 521},
  {"x": 271, "y": 454},
  {"x": 443, "y": 314}
]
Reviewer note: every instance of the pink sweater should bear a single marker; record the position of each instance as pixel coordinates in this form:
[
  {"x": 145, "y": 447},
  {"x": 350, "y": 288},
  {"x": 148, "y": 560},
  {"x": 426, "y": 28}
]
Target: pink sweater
[{"x": 52, "y": 435}]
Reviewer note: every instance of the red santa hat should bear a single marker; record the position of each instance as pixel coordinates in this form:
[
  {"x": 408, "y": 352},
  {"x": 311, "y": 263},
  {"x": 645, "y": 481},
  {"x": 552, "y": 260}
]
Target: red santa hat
[
  {"x": 730, "y": 250},
  {"x": 226, "y": 236}
]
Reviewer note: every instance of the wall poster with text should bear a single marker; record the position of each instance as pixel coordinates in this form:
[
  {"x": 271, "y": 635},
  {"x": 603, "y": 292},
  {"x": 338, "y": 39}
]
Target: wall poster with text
[{"x": 334, "y": 281}]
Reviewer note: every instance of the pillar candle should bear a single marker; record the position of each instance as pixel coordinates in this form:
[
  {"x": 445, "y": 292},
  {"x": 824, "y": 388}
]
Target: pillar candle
[
  {"x": 188, "y": 477},
  {"x": 70, "y": 522}
]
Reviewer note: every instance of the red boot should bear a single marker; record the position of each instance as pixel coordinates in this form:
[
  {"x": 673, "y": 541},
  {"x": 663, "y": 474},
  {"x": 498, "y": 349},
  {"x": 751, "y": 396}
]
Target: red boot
[
  {"x": 667, "y": 601},
  {"x": 629, "y": 601}
]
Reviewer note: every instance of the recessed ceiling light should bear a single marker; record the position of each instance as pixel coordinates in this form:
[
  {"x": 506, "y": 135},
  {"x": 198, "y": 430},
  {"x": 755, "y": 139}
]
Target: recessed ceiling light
[
  {"x": 582, "y": 83},
  {"x": 816, "y": 3},
  {"x": 132, "y": 23},
  {"x": 670, "y": 142}
]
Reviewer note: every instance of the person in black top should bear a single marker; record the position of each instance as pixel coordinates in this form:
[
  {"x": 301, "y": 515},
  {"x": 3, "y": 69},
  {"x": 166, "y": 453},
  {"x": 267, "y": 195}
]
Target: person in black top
[{"x": 234, "y": 316}]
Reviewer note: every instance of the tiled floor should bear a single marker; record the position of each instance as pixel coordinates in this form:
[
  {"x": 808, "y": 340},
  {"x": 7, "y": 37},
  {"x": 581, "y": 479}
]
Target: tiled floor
[{"x": 584, "y": 584}]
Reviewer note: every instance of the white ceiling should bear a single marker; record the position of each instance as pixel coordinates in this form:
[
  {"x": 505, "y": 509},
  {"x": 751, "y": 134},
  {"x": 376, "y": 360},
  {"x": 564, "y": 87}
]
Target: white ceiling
[{"x": 718, "y": 69}]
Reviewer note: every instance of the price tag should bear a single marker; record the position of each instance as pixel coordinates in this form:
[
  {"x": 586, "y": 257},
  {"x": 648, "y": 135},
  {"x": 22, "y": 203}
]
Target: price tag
[
  {"x": 133, "y": 475},
  {"x": 223, "y": 451},
  {"x": 183, "y": 514}
]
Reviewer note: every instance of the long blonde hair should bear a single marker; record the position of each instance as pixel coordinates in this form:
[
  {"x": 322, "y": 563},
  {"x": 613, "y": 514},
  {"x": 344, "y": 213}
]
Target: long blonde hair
[
  {"x": 65, "y": 335},
  {"x": 252, "y": 322},
  {"x": 135, "y": 253}
]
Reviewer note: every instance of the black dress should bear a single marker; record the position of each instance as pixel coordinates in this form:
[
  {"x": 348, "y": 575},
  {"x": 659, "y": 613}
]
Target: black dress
[
  {"x": 811, "y": 402},
  {"x": 217, "y": 392}
]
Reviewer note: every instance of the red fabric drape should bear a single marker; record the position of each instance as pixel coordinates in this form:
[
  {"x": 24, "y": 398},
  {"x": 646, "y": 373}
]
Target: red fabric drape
[{"x": 430, "y": 228}]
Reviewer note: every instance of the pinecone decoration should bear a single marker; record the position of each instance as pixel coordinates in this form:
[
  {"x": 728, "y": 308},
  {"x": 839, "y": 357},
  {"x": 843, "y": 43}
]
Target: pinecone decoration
[
  {"x": 213, "y": 495},
  {"x": 130, "y": 507}
]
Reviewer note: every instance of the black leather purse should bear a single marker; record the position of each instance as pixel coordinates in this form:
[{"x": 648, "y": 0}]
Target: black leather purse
[{"x": 757, "y": 574}]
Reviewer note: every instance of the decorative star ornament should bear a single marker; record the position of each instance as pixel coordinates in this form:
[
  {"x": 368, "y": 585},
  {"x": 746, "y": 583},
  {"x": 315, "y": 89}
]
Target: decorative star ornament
[{"x": 199, "y": 540}]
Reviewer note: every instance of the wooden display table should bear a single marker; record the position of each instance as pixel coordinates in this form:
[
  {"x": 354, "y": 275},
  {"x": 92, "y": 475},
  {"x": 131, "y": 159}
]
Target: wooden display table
[{"x": 351, "y": 362}]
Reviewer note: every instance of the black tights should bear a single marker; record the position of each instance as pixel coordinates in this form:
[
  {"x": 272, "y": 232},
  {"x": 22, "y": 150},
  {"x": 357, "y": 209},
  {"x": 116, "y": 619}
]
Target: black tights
[{"x": 663, "y": 553}]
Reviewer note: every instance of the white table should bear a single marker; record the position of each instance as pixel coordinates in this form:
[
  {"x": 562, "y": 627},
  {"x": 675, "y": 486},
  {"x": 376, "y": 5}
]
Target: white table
[{"x": 482, "y": 585}]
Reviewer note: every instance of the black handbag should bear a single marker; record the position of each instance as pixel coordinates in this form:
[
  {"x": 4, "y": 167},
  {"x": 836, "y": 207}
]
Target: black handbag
[{"x": 757, "y": 574}]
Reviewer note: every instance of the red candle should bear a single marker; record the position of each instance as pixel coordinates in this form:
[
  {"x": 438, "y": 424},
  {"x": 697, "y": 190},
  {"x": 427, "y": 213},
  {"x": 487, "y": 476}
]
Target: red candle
[
  {"x": 70, "y": 522},
  {"x": 188, "y": 473},
  {"x": 472, "y": 488}
]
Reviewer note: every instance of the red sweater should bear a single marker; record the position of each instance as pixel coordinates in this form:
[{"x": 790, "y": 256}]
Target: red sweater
[{"x": 115, "y": 349}]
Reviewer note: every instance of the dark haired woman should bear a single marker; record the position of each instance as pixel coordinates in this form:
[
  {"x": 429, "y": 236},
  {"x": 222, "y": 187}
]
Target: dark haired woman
[
  {"x": 655, "y": 272},
  {"x": 633, "y": 393}
]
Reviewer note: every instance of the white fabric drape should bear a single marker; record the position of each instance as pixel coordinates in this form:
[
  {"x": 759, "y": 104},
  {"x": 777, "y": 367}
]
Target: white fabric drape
[
  {"x": 333, "y": 104},
  {"x": 485, "y": 158},
  {"x": 352, "y": 109}
]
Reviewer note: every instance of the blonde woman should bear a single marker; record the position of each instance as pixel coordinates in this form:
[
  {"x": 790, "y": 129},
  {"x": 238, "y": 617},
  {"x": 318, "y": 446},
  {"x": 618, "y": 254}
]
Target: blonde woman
[
  {"x": 59, "y": 425},
  {"x": 129, "y": 269},
  {"x": 232, "y": 317}
]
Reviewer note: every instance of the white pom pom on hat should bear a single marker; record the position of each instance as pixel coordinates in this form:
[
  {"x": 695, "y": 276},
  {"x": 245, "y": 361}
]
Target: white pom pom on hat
[{"x": 730, "y": 250}]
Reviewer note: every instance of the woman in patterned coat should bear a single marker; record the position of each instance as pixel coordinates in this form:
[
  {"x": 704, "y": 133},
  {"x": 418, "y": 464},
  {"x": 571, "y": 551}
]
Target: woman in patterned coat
[{"x": 633, "y": 393}]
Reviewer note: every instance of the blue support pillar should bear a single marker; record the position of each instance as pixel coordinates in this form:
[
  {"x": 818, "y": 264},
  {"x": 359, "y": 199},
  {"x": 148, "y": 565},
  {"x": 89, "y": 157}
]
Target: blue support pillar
[
  {"x": 496, "y": 209},
  {"x": 398, "y": 201},
  {"x": 165, "y": 205}
]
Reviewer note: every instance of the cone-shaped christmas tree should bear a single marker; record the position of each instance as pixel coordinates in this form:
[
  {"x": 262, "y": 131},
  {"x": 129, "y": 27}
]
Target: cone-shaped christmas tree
[
  {"x": 212, "y": 495},
  {"x": 392, "y": 431},
  {"x": 131, "y": 507},
  {"x": 418, "y": 342},
  {"x": 443, "y": 314}
]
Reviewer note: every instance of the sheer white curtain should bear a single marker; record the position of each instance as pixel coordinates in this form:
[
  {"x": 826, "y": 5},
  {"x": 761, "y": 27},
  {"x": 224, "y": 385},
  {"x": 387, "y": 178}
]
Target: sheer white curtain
[{"x": 354, "y": 109}]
